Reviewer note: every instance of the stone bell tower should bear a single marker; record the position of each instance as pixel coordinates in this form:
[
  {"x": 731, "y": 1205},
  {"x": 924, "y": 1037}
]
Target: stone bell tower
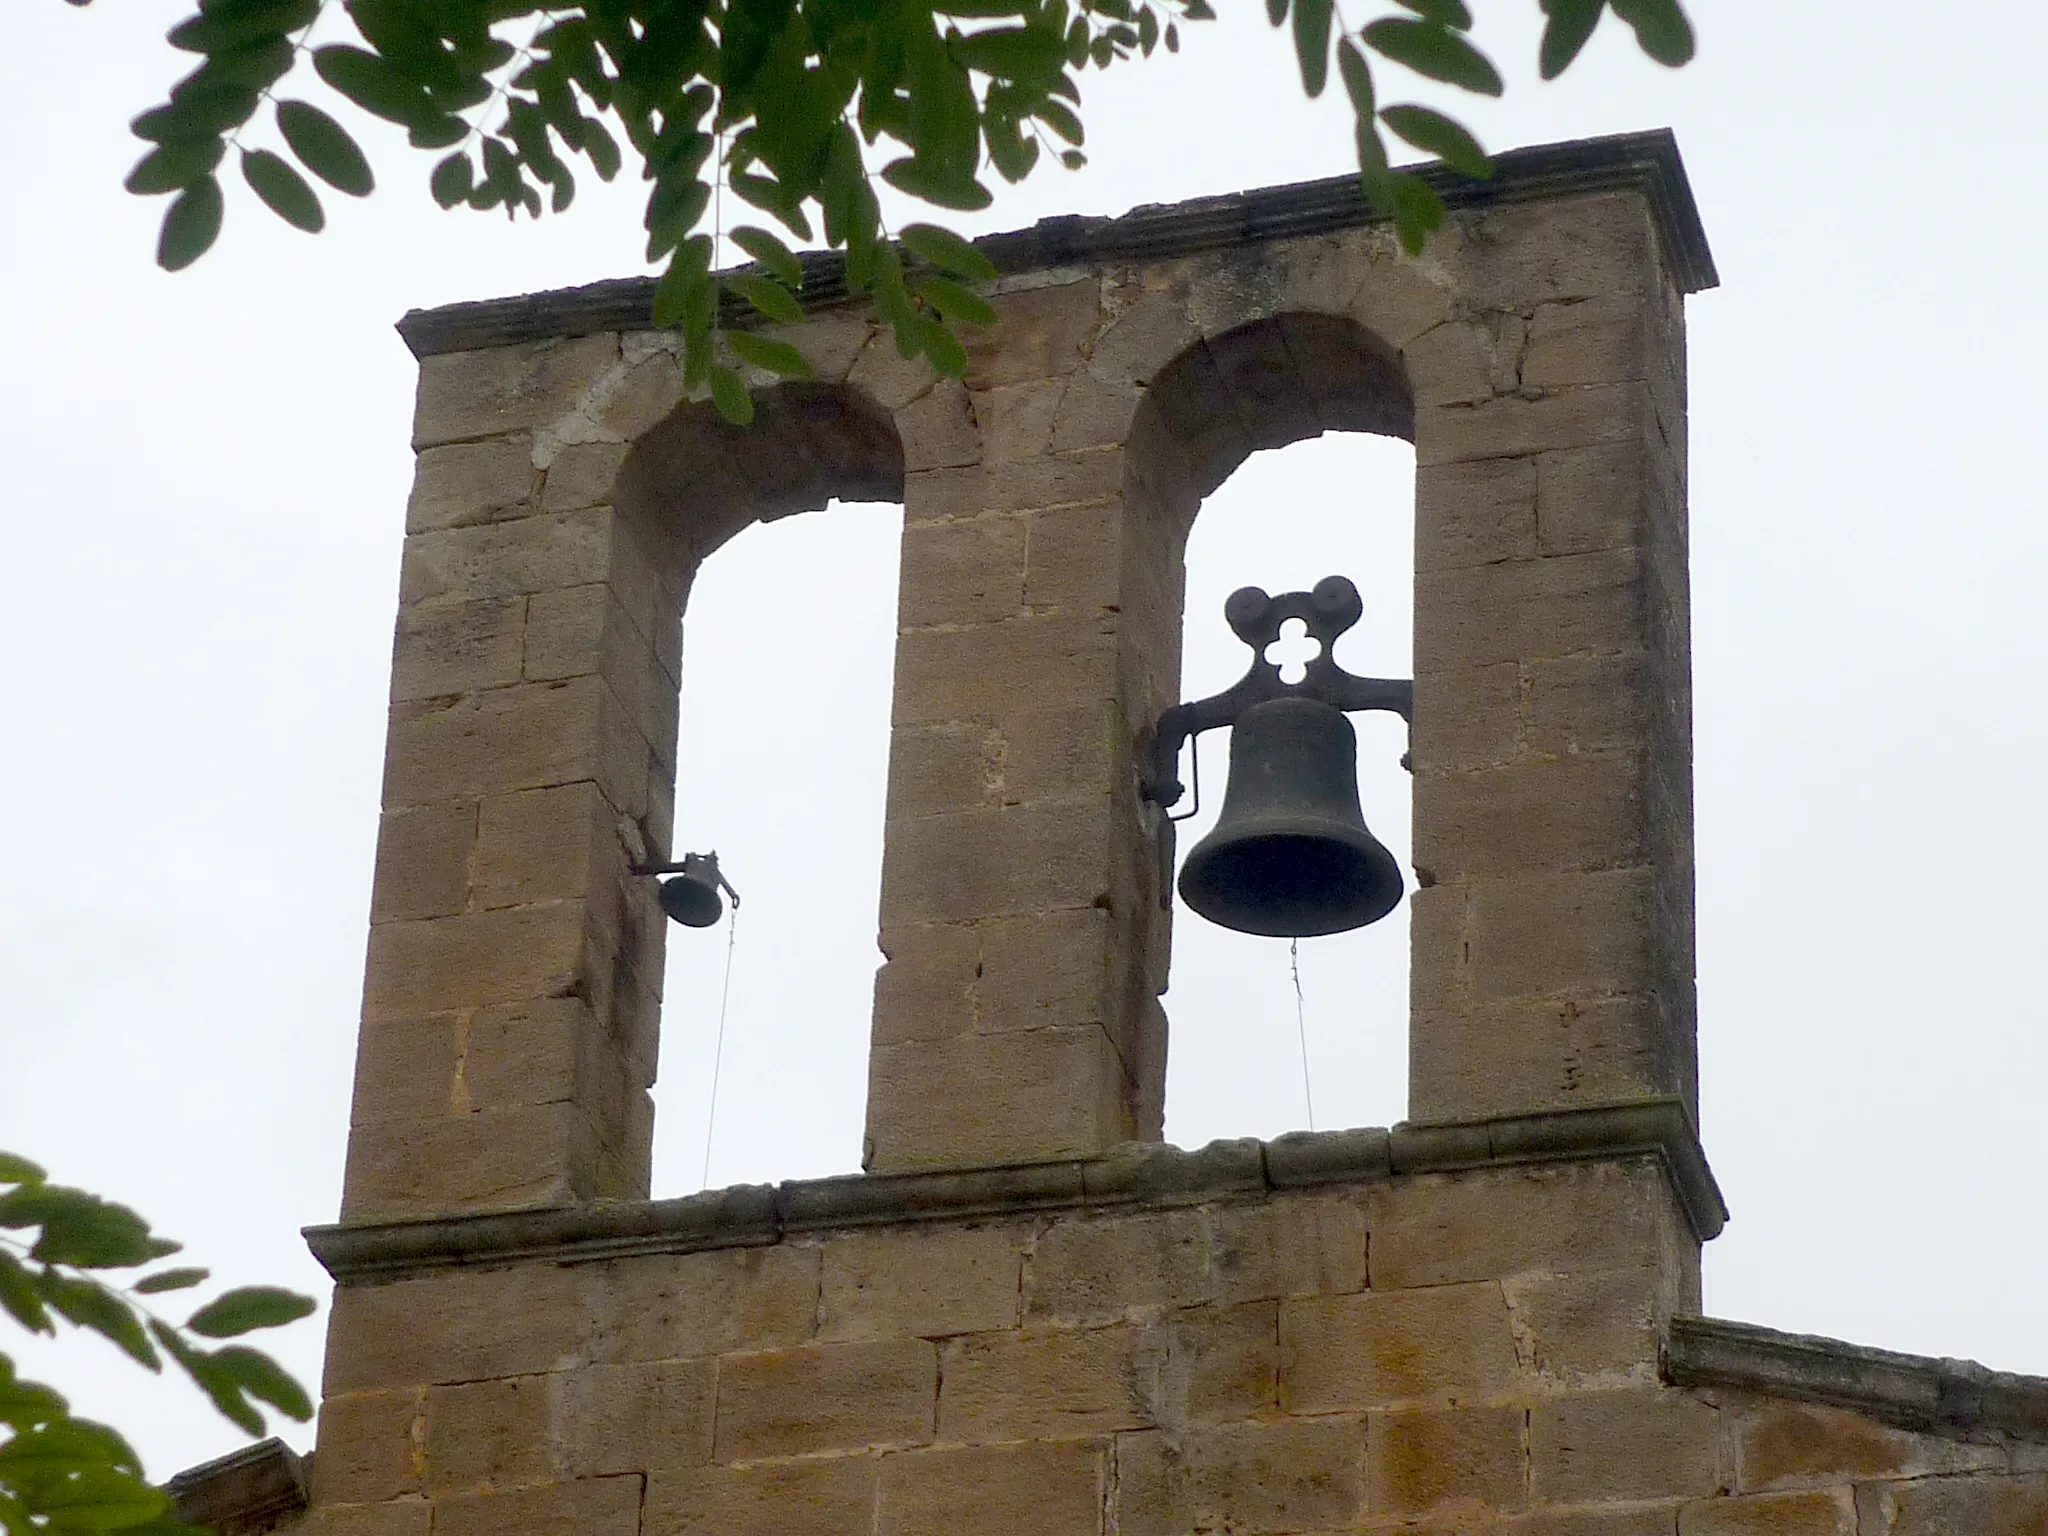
[{"x": 1028, "y": 1314}]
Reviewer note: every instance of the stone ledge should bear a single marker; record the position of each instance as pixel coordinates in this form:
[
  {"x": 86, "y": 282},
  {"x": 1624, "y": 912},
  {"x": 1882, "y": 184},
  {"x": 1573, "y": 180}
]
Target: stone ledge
[
  {"x": 1918, "y": 1392},
  {"x": 1647, "y": 162},
  {"x": 1136, "y": 1174},
  {"x": 244, "y": 1491}
]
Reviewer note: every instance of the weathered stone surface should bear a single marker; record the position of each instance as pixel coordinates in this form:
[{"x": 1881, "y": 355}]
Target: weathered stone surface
[
  {"x": 489, "y": 1434},
  {"x": 622, "y": 1419},
  {"x": 1982, "y": 1506},
  {"x": 368, "y": 1448},
  {"x": 1307, "y": 1245},
  {"x": 833, "y": 1496},
  {"x": 925, "y": 1284},
  {"x": 826, "y": 1397},
  {"x": 485, "y": 394},
  {"x": 1772, "y": 1514},
  {"x": 1255, "y": 1478},
  {"x": 1054, "y": 1489},
  {"x": 1623, "y": 1445},
  {"x": 1089, "y": 1272},
  {"x": 1427, "y": 1461},
  {"x": 597, "y": 1506},
  {"x": 668, "y": 1305},
  {"x": 468, "y": 483},
  {"x": 1354, "y": 1352},
  {"x": 1039, "y": 1385},
  {"x": 1789, "y": 1444}
]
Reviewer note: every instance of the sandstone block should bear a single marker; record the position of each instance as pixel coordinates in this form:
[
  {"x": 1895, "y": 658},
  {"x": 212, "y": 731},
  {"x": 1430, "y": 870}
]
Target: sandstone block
[
  {"x": 1399, "y": 299},
  {"x": 1550, "y": 817},
  {"x": 826, "y": 1397},
  {"x": 489, "y": 1434},
  {"x": 1051, "y": 1490},
  {"x": 967, "y": 571},
  {"x": 882, "y": 374},
  {"x": 523, "y": 1158},
  {"x": 1523, "y": 610},
  {"x": 1012, "y": 861},
  {"x": 507, "y": 559},
  {"x": 834, "y": 1496},
  {"x": 1022, "y": 485},
  {"x": 1098, "y": 1271},
  {"x": 406, "y": 1071},
  {"x": 1219, "y": 1364},
  {"x": 1469, "y": 718},
  {"x": 993, "y": 670},
  {"x": 645, "y": 392},
  {"x": 467, "y": 483},
  {"x": 456, "y": 1326},
  {"x": 401, "y": 1517},
  {"x": 595, "y": 1506},
  {"x": 665, "y": 1306},
  {"x": 1253, "y": 1478},
  {"x": 926, "y": 1283},
  {"x": 1432, "y": 1461},
  {"x": 1451, "y": 364},
  {"x": 1593, "y": 498},
  {"x": 941, "y": 768},
  {"x": 509, "y": 738},
  {"x": 1043, "y": 334},
  {"x": 1513, "y": 425},
  {"x": 1519, "y": 1057},
  {"x": 1590, "y": 1330},
  {"x": 1300, "y": 1245},
  {"x": 1475, "y": 513},
  {"x": 1046, "y": 971},
  {"x": 1982, "y": 1506},
  {"x": 1780, "y": 1444},
  {"x": 583, "y": 474},
  {"x": 926, "y": 987},
  {"x": 368, "y": 1448},
  {"x": 1059, "y": 754},
  {"x": 1587, "y": 704},
  {"x": 620, "y": 1419},
  {"x": 456, "y": 645},
  {"x": 1037, "y": 1385},
  {"x": 1585, "y": 935},
  {"x": 1074, "y": 558},
  {"x": 1521, "y": 255},
  {"x": 928, "y": 1105},
  {"x": 1631, "y": 1520},
  {"x": 1344, "y": 1353},
  {"x": 480, "y": 957},
  {"x": 1601, "y": 340},
  {"x": 539, "y": 845},
  {"x": 568, "y": 630},
  {"x": 1016, "y": 420},
  {"x": 506, "y": 389},
  {"x": 1145, "y": 339},
  {"x": 423, "y": 858},
  {"x": 1094, "y": 412},
  {"x": 938, "y": 429},
  {"x": 1772, "y": 1514},
  {"x": 1623, "y": 1445}
]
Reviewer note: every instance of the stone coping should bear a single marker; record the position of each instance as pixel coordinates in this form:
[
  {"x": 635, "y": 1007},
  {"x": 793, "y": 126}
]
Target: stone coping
[
  {"x": 1648, "y": 162},
  {"x": 1918, "y": 1392},
  {"x": 1135, "y": 1174},
  {"x": 258, "y": 1485}
]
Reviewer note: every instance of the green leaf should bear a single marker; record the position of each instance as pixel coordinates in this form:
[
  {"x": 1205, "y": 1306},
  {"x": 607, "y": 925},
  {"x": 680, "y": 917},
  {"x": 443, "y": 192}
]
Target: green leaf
[
  {"x": 1445, "y": 13},
  {"x": 1357, "y": 77},
  {"x": 19, "y": 1170},
  {"x": 923, "y": 180},
  {"x": 688, "y": 270},
  {"x": 452, "y": 180},
  {"x": 437, "y": 132},
  {"x": 729, "y": 394},
  {"x": 174, "y": 165},
  {"x": 325, "y": 148},
  {"x": 766, "y": 295},
  {"x": 1061, "y": 121},
  {"x": 247, "y": 1308},
  {"x": 24, "y": 1403},
  {"x": 1312, "y": 43},
  {"x": 79, "y": 1229},
  {"x": 1435, "y": 52},
  {"x": 779, "y": 260},
  {"x": 262, "y": 1378},
  {"x": 218, "y": 28},
  {"x": 943, "y": 248},
  {"x": 191, "y": 225},
  {"x": 777, "y": 357},
  {"x": 170, "y": 1280},
  {"x": 1276, "y": 12},
  {"x": 195, "y": 113},
  {"x": 955, "y": 302},
  {"x": 1571, "y": 23},
  {"x": 223, "y": 1391},
  {"x": 18, "y": 1296},
  {"x": 1435, "y": 134},
  {"x": 373, "y": 84},
  {"x": 1661, "y": 29},
  {"x": 283, "y": 190},
  {"x": 87, "y": 1304},
  {"x": 1410, "y": 202},
  {"x": 943, "y": 348},
  {"x": 1012, "y": 53}
]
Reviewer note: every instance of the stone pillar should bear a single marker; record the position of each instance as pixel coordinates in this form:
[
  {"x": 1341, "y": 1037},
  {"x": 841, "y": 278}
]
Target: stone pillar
[
  {"x": 1016, "y": 904},
  {"x": 512, "y": 993},
  {"x": 1552, "y": 962}
]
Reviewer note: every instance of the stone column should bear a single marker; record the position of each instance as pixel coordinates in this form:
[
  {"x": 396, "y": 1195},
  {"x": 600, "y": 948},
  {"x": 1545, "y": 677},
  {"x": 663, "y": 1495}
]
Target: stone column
[
  {"x": 1552, "y": 962},
  {"x": 511, "y": 999}
]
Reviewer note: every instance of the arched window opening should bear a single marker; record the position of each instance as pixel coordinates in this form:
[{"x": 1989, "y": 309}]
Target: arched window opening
[
  {"x": 1340, "y": 504},
  {"x": 782, "y": 758}
]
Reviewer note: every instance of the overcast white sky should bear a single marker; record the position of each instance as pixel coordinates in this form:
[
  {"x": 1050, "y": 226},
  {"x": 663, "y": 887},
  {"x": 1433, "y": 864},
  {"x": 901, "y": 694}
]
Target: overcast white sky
[{"x": 203, "y": 495}]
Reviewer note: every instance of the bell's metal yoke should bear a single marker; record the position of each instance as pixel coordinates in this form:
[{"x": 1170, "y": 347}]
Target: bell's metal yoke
[{"x": 1255, "y": 618}]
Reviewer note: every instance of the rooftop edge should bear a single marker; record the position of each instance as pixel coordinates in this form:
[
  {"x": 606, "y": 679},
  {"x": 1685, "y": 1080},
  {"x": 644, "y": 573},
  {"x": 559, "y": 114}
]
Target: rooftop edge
[{"x": 1646, "y": 161}]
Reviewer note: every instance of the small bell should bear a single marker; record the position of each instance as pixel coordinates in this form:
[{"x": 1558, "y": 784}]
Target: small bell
[
  {"x": 691, "y": 896},
  {"x": 1290, "y": 855}
]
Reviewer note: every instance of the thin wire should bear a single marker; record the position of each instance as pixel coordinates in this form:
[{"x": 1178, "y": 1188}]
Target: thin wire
[
  {"x": 732, "y": 934},
  {"x": 1301, "y": 1027}
]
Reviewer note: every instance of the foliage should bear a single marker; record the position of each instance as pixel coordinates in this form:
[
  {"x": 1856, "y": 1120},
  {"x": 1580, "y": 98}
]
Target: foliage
[
  {"x": 784, "y": 102},
  {"x": 66, "y": 1476}
]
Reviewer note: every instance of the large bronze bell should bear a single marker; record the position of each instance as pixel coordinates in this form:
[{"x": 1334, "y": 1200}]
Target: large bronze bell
[
  {"x": 1290, "y": 854},
  {"x": 691, "y": 896}
]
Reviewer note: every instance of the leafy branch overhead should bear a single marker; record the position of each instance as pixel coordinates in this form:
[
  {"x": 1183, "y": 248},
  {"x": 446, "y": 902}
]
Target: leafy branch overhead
[
  {"x": 60, "y": 1474},
  {"x": 794, "y": 106}
]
